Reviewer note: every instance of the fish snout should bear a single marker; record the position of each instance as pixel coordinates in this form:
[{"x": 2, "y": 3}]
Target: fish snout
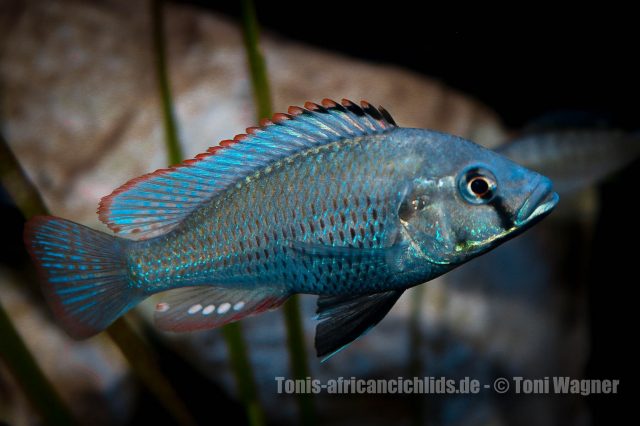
[{"x": 539, "y": 203}]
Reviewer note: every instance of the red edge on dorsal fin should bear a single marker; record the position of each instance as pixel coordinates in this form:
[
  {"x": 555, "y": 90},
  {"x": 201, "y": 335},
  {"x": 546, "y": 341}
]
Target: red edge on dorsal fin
[
  {"x": 346, "y": 102},
  {"x": 311, "y": 106},
  {"x": 295, "y": 110},
  {"x": 228, "y": 142},
  {"x": 280, "y": 117},
  {"x": 328, "y": 103},
  {"x": 203, "y": 155},
  {"x": 105, "y": 203}
]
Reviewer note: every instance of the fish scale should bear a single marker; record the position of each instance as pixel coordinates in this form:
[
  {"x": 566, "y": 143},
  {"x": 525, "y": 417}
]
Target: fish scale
[
  {"x": 242, "y": 246},
  {"x": 334, "y": 200}
]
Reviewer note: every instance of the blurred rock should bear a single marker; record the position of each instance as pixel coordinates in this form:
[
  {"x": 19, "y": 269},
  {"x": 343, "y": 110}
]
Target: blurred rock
[
  {"x": 81, "y": 106},
  {"x": 88, "y": 374},
  {"x": 81, "y": 114}
]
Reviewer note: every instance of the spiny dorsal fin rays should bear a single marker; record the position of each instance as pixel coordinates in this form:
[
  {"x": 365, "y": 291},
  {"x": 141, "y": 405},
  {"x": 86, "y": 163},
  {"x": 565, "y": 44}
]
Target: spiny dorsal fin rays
[{"x": 155, "y": 203}]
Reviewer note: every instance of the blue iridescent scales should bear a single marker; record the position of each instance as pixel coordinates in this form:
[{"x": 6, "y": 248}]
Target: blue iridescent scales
[
  {"x": 330, "y": 199},
  {"x": 295, "y": 201}
]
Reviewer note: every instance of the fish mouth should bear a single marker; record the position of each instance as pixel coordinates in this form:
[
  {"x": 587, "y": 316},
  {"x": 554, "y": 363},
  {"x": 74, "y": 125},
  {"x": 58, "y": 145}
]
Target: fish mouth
[{"x": 540, "y": 203}]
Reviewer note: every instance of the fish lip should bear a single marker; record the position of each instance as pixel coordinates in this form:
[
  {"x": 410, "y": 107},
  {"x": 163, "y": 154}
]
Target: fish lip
[{"x": 540, "y": 202}]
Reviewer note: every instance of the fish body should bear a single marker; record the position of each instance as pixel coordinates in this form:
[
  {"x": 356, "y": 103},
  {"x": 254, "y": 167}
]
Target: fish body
[{"x": 333, "y": 200}]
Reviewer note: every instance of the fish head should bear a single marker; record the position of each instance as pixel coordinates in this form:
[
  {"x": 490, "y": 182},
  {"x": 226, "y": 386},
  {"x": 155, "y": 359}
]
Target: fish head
[{"x": 473, "y": 203}]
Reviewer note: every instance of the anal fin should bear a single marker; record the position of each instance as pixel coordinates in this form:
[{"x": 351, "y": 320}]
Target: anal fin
[
  {"x": 198, "y": 308},
  {"x": 345, "y": 318}
]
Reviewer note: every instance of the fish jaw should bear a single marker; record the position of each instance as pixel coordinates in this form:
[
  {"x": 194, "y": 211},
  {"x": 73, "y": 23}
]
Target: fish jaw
[{"x": 540, "y": 203}]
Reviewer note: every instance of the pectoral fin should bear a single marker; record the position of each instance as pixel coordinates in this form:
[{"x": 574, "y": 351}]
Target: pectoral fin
[
  {"x": 345, "y": 318},
  {"x": 312, "y": 253}
]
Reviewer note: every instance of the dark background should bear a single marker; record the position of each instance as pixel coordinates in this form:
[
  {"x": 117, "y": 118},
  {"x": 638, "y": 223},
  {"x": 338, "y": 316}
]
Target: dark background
[{"x": 524, "y": 67}]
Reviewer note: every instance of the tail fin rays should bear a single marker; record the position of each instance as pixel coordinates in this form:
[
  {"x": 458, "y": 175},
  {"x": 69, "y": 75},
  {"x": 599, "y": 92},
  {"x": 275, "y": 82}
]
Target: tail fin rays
[{"x": 83, "y": 274}]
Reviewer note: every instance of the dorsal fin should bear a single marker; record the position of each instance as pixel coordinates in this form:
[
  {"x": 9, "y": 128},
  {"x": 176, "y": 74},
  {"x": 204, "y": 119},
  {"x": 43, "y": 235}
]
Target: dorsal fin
[{"x": 154, "y": 203}]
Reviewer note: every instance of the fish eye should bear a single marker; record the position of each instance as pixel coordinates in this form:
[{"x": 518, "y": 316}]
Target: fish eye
[
  {"x": 480, "y": 186},
  {"x": 477, "y": 185}
]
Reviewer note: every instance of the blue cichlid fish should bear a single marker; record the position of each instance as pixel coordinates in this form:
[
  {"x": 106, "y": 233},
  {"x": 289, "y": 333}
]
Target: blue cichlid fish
[{"x": 332, "y": 199}]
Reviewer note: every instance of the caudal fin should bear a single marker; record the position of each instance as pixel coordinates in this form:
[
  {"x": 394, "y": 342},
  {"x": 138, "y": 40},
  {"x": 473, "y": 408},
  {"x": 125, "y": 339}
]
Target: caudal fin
[{"x": 83, "y": 273}]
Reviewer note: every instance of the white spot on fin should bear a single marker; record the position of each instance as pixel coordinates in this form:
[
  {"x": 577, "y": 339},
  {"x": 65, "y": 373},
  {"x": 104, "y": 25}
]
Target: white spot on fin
[
  {"x": 238, "y": 306},
  {"x": 162, "y": 307},
  {"x": 195, "y": 309},
  {"x": 222, "y": 309},
  {"x": 208, "y": 309}
]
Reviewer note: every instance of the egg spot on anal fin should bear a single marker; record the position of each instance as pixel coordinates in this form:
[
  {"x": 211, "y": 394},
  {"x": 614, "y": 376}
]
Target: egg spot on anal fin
[
  {"x": 162, "y": 307},
  {"x": 195, "y": 309},
  {"x": 204, "y": 307},
  {"x": 224, "y": 308}
]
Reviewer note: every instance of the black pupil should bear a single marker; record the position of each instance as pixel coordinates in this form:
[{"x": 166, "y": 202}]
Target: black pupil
[{"x": 479, "y": 186}]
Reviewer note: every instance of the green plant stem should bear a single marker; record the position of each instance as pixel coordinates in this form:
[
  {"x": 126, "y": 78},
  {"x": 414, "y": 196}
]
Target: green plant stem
[
  {"x": 43, "y": 397},
  {"x": 13, "y": 350},
  {"x": 291, "y": 310},
  {"x": 174, "y": 150},
  {"x": 232, "y": 333},
  {"x": 298, "y": 355},
  {"x": 243, "y": 373},
  {"x": 17, "y": 185},
  {"x": 143, "y": 361},
  {"x": 255, "y": 58},
  {"x": 416, "y": 366},
  {"x": 134, "y": 349}
]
